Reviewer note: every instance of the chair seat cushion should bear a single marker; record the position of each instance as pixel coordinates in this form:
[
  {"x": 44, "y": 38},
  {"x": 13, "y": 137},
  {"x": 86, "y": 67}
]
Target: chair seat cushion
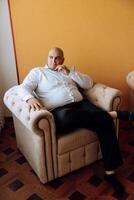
[{"x": 74, "y": 140}]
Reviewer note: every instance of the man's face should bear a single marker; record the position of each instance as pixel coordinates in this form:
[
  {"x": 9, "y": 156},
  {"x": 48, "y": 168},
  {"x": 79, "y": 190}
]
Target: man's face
[{"x": 55, "y": 58}]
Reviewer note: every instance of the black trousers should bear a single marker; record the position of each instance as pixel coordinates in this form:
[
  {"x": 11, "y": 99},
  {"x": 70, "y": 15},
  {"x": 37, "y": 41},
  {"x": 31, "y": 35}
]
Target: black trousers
[{"x": 84, "y": 114}]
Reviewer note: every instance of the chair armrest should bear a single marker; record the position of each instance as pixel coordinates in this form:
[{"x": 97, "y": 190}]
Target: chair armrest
[
  {"x": 104, "y": 97},
  {"x": 39, "y": 123},
  {"x": 29, "y": 118}
]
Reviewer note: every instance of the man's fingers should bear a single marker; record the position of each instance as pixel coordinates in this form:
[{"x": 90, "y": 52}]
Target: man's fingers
[
  {"x": 39, "y": 104},
  {"x": 35, "y": 106},
  {"x": 62, "y": 68},
  {"x": 59, "y": 67}
]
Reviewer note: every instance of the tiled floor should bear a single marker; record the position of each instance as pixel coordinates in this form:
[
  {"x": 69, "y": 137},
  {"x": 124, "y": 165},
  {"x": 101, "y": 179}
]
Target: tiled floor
[{"x": 19, "y": 182}]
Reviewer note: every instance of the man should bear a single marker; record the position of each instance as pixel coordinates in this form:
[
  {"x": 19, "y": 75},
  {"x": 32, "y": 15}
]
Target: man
[{"x": 55, "y": 87}]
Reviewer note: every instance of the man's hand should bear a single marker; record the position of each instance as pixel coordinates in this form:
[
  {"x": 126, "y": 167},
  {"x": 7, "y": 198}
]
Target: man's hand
[
  {"x": 34, "y": 104},
  {"x": 62, "y": 68}
]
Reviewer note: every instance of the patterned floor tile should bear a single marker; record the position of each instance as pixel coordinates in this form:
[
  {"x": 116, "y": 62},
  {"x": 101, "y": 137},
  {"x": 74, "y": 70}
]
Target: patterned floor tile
[
  {"x": 123, "y": 197},
  {"x": 21, "y": 160},
  {"x": 34, "y": 197},
  {"x": 8, "y": 151},
  {"x": 15, "y": 185},
  {"x": 77, "y": 196},
  {"x": 3, "y": 172},
  {"x": 95, "y": 180},
  {"x": 56, "y": 183}
]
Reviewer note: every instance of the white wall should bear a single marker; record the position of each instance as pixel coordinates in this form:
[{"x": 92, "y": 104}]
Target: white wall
[{"x": 8, "y": 76}]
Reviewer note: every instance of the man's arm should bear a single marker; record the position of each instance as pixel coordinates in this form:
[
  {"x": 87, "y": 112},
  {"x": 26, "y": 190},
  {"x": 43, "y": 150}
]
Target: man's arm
[
  {"x": 84, "y": 81},
  {"x": 28, "y": 88}
]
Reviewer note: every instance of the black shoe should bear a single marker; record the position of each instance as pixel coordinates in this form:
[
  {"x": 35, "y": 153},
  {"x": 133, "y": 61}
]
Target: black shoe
[
  {"x": 116, "y": 185},
  {"x": 125, "y": 115}
]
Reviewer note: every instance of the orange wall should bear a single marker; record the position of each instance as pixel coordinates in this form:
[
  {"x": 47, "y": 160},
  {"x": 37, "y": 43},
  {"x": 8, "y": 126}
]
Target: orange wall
[{"x": 97, "y": 36}]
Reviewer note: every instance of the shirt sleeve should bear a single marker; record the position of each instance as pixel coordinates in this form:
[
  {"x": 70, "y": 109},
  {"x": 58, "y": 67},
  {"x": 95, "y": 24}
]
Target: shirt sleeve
[
  {"x": 29, "y": 85},
  {"x": 84, "y": 81}
]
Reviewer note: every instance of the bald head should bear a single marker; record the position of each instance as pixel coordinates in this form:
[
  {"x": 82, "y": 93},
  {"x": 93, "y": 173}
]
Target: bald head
[
  {"x": 57, "y": 50},
  {"x": 55, "y": 57}
]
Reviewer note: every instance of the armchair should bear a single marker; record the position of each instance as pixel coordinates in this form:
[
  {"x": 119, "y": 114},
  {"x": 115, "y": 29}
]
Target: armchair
[{"x": 50, "y": 154}]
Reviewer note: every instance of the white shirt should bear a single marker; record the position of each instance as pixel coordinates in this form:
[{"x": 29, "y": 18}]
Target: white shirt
[{"x": 54, "y": 88}]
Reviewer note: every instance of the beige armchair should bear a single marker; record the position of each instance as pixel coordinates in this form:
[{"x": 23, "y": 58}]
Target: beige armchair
[{"x": 50, "y": 154}]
